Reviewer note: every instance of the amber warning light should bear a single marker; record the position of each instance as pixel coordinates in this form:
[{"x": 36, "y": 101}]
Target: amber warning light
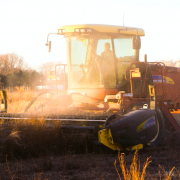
[{"x": 61, "y": 31}]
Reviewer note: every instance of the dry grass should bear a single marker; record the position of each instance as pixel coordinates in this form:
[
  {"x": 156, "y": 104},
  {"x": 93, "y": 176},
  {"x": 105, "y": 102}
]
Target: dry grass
[
  {"x": 18, "y": 100},
  {"x": 38, "y": 139},
  {"x": 20, "y": 94},
  {"x": 137, "y": 171},
  {"x": 32, "y": 138},
  {"x": 134, "y": 172}
]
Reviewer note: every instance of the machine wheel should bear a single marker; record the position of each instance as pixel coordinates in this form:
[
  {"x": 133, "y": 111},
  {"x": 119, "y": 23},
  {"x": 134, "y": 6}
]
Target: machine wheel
[{"x": 160, "y": 134}]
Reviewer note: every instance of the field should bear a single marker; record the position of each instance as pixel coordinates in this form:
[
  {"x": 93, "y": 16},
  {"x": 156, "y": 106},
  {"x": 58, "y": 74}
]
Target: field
[{"x": 33, "y": 150}]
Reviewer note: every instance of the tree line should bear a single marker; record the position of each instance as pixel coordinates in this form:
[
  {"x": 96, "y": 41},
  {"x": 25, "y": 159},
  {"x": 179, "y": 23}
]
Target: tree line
[{"x": 14, "y": 72}]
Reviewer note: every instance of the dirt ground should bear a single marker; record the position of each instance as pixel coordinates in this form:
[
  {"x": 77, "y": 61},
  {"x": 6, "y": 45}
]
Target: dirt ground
[{"x": 96, "y": 165}]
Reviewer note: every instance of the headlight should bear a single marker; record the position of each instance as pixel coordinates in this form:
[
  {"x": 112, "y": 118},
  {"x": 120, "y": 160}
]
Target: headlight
[
  {"x": 76, "y": 30},
  {"x": 83, "y": 30},
  {"x": 61, "y": 31}
]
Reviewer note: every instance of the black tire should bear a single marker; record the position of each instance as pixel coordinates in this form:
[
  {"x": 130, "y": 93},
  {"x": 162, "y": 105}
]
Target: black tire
[{"x": 160, "y": 134}]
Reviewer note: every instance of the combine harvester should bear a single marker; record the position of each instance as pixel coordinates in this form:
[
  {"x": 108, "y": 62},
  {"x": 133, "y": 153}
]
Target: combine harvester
[{"x": 125, "y": 102}]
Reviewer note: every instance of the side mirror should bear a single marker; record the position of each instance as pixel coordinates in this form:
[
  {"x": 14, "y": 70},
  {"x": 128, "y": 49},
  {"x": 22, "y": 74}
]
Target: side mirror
[
  {"x": 48, "y": 46},
  {"x": 136, "y": 42}
]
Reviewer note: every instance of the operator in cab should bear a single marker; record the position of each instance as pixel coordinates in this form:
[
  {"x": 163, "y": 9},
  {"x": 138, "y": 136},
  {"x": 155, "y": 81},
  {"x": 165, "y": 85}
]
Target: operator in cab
[
  {"x": 107, "y": 54},
  {"x": 107, "y": 66}
]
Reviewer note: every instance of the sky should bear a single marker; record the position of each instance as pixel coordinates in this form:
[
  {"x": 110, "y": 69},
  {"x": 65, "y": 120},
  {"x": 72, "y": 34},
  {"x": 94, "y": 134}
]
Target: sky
[{"x": 24, "y": 25}]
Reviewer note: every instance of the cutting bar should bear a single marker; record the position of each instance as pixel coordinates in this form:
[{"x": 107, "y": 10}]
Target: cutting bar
[{"x": 52, "y": 119}]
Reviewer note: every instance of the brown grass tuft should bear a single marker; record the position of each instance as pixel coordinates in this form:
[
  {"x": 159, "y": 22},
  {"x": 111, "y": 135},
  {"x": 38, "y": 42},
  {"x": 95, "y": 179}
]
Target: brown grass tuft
[
  {"x": 134, "y": 172},
  {"x": 19, "y": 99}
]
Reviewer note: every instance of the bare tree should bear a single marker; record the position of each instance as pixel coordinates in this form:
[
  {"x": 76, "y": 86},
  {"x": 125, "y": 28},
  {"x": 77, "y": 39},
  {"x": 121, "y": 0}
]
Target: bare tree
[
  {"x": 48, "y": 66},
  {"x": 10, "y": 63}
]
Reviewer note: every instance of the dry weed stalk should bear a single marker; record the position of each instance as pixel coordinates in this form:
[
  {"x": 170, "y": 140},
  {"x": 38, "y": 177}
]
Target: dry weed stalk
[
  {"x": 134, "y": 173},
  {"x": 168, "y": 176},
  {"x": 10, "y": 173}
]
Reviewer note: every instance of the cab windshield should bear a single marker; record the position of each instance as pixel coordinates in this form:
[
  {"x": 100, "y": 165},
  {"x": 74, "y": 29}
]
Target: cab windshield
[{"x": 95, "y": 61}]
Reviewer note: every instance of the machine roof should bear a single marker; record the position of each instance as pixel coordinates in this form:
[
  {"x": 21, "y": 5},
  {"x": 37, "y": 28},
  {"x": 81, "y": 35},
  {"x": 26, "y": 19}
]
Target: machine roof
[{"x": 106, "y": 28}]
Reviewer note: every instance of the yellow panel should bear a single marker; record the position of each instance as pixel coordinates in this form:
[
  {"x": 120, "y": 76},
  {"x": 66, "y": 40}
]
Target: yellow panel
[
  {"x": 1, "y": 94},
  {"x": 106, "y": 29},
  {"x": 137, "y": 147},
  {"x": 105, "y": 138}
]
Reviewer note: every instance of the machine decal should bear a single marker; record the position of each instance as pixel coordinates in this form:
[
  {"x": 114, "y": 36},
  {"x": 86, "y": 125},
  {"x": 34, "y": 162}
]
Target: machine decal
[
  {"x": 149, "y": 122},
  {"x": 158, "y": 79}
]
